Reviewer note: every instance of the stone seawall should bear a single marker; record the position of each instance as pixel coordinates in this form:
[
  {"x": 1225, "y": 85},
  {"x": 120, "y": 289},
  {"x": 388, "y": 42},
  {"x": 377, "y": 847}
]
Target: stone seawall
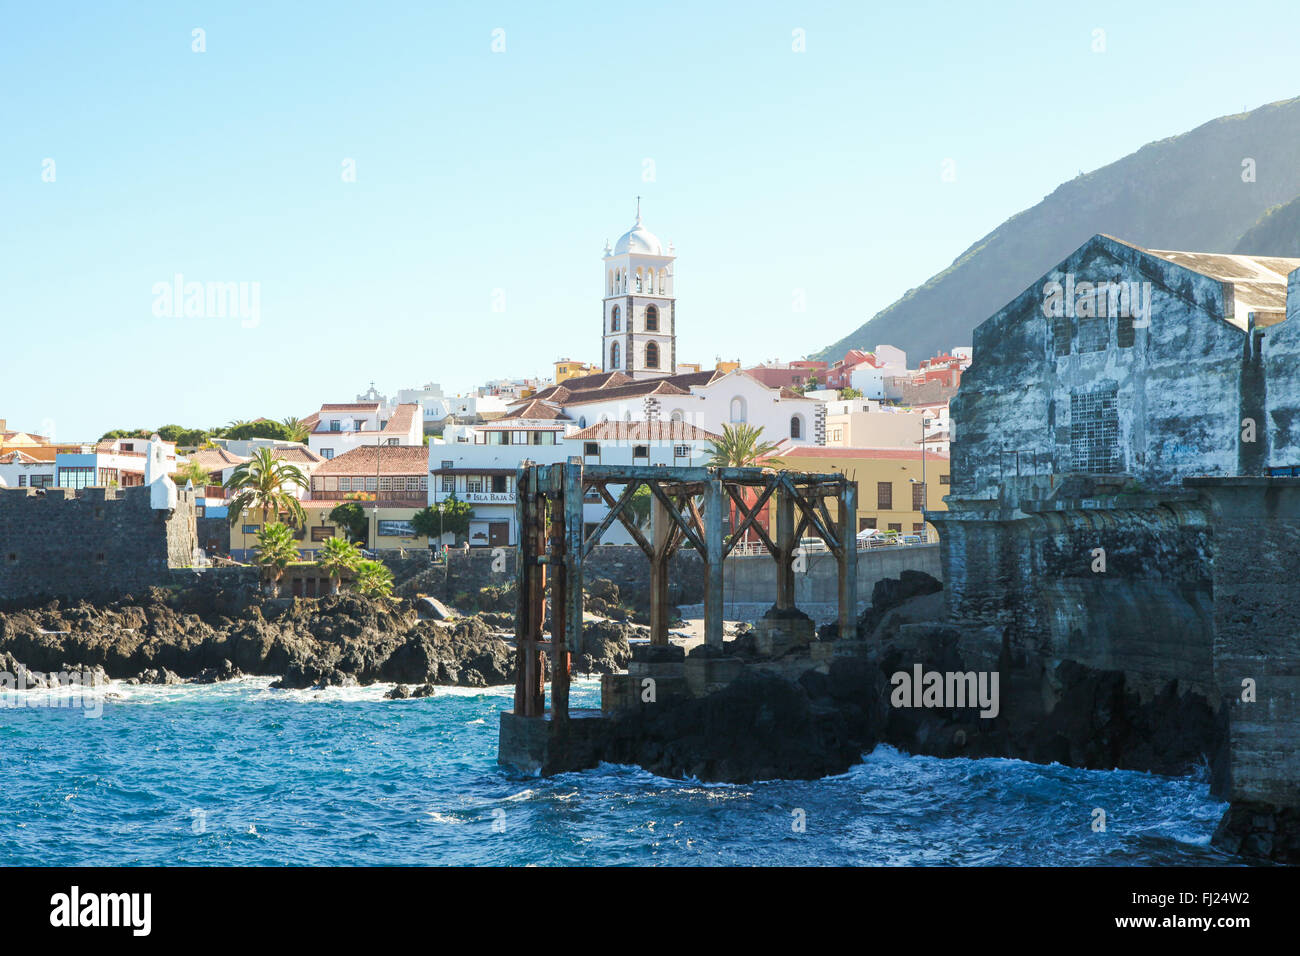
[{"x": 94, "y": 543}]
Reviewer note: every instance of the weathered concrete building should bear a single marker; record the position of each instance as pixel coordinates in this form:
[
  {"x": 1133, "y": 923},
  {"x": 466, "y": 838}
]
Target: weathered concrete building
[{"x": 1120, "y": 497}]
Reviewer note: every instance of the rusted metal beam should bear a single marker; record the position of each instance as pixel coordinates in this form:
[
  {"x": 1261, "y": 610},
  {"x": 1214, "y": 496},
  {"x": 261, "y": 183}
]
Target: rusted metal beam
[
  {"x": 671, "y": 509},
  {"x": 611, "y": 515},
  {"x": 750, "y": 518}
]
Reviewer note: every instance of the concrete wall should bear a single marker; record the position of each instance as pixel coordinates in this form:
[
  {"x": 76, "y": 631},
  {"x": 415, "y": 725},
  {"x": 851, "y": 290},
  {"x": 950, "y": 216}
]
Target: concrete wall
[
  {"x": 91, "y": 543},
  {"x": 1177, "y": 384}
]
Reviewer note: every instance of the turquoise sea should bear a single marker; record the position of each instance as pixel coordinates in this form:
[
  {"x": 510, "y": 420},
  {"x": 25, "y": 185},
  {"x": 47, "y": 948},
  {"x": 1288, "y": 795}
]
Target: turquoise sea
[{"x": 239, "y": 774}]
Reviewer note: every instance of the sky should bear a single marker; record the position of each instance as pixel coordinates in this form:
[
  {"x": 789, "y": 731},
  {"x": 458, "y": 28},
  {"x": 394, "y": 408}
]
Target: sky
[{"x": 421, "y": 192}]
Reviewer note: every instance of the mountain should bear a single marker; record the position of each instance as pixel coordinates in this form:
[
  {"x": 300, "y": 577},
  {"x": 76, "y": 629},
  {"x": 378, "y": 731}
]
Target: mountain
[
  {"x": 1185, "y": 192},
  {"x": 1277, "y": 233}
]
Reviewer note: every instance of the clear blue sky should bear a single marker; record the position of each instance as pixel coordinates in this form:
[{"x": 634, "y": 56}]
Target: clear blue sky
[{"x": 477, "y": 171}]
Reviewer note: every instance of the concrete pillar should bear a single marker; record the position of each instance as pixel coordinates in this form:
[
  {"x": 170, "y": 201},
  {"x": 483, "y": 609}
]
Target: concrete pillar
[
  {"x": 785, "y": 546},
  {"x": 848, "y": 565},
  {"x": 715, "y": 504},
  {"x": 661, "y": 529}
]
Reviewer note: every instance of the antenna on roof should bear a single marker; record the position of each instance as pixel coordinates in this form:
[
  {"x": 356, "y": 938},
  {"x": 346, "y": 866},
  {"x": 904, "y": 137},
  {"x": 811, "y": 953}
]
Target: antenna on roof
[{"x": 638, "y": 208}]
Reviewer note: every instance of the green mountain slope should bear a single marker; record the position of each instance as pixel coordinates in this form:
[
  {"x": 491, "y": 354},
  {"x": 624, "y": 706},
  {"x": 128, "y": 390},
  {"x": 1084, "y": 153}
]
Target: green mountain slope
[
  {"x": 1276, "y": 233},
  {"x": 1185, "y": 192}
]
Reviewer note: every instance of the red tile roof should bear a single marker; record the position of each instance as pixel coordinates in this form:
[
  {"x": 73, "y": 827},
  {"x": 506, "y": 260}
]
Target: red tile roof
[
  {"x": 831, "y": 451},
  {"x": 644, "y": 431},
  {"x": 535, "y": 410},
  {"x": 392, "y": 460},
  {"x": 403, "y": 415}
]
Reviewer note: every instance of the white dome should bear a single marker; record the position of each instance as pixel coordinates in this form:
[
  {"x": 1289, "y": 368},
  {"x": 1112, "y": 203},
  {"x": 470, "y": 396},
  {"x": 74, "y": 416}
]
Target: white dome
[{"x": 638, "y": 239}]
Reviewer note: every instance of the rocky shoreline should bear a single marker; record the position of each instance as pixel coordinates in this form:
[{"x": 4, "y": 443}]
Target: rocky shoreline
[{"x": 343, "y": 640}]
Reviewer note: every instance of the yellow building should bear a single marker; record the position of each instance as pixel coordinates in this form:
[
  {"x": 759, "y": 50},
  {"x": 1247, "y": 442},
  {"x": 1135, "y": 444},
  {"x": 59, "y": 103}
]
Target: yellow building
[
  {"x": 566, "y": 369},
  {"x": 891, "y": 488},
  {"x": 393, "y": 525},
  {"x": 726, "y": 367}
]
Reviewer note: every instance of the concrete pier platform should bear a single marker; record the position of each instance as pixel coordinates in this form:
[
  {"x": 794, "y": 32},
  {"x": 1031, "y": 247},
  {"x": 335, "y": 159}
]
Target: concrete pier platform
[{"x": 536, "y": 745}]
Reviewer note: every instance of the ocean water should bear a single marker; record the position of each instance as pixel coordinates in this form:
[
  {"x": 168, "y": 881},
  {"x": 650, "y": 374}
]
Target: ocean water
[{"x": 239, "y": 774}]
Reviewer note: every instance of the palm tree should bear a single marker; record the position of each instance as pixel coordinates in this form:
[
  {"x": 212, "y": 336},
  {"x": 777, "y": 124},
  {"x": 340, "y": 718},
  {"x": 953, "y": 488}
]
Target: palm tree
[
  {"x": 267, "y": 483},
  {"x": 336, "y": 556},
  {"x": 374, "y": 580},
  {"x": 296, "y": 429},
  {"x": 275, "y": 550},
  {"x": 741, "y": 447}
]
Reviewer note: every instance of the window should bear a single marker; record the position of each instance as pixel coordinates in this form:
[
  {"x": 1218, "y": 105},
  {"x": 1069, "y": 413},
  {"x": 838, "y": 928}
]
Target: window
[
  {"x": 76, "y": 477},
  {"x": 945, "y": 479},
  {"x": 1094, "y": 333},
  {"x": 737, "y": 409},
  {"x": 796, "y": 427},
  {"x": 1124, "y": 333},
  {"x": 613, "y": 356},
  {"x": 42, "y": 481},
  {"x": 336, "y": 425},
  {"x": 651, "y": 355},
  {"x": 327, "y": 453},
  {"x": 474, "y": 483},
  {"x": 614, "y": 318},
  {"x": 519, "y": 438},
  {"x": 370, "y": 484},
  {"x": 251, "y": 528},
  {"x": 681, "y": 451},
  {"x": 1062, "y": 333},
  {"x": 641, "y": 451},
  {"x": 22, "y": 481},
  {"x": 652, "y": 319},
  {"x": 591, "y": 449},
  {"x": 448, "y": 465},
  {"x": 323, "y": 533},
  {"x": 918, "y": 527},
  {"x": 449, "y": 484},
  {"x": 358, "y": 424},
  {"x": 866, "y": 523},
  {"x": 1094, "y": 431},
  {"x": 884, "y": 495},
  {"x": 676, "y": 416},
  {"x": 391, "y": 442},
  {"x": 385, "y": 484},
  {"x": 896, "y": 527},
  {"x": 918, "y": 496}
]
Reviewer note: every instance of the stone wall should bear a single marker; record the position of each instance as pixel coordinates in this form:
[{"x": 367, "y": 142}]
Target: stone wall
[
  {"x": 98, "y": 543},
  {"x": 626, "y": 566},
  {"x": 1256, "y": 563}
]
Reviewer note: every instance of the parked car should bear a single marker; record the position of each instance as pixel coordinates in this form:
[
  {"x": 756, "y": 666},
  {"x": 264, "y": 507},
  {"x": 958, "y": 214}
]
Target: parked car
[{"x": 812, "y": 544}]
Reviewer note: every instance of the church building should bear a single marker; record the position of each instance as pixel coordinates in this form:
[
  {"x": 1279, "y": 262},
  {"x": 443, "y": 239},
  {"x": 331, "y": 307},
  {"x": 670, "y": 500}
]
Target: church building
[{"x": 639, "y": 336}]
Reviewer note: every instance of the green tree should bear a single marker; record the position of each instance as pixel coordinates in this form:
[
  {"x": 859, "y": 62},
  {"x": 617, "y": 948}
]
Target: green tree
[
  {"x": 740, "y": 447},
  {"x": 351, "y": 517},
  {"x": 374, "y": 580},
  {"x": 450, "y": 515},
  {"x": 639, "y": 506},
  {"x": 847, "y": 393},
  {"x": 337, "y": 556},
  {"x": 262, "y": 428},
  {"x": 266, "y": 483},
  {"x": 276, "y": 548},
  {"x": 192, "y": 471},
  {"x": 296, "y": 428}
]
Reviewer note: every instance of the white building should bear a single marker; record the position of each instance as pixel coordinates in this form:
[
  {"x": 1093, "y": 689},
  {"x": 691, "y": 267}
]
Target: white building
[
  {"x": 639, "y": 336},
  {"x": 869, "y": 378},
  {"x": 336, "y": 429},
  {"x": 20, "y": 470}
]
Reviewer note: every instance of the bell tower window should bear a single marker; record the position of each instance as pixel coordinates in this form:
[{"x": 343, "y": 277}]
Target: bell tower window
[
  {"x": 614, "y": 320},
  {"x": 613, "y": 356},
  {"x": 651, "y": 355},
  {"x": 652, "y": 319}
]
